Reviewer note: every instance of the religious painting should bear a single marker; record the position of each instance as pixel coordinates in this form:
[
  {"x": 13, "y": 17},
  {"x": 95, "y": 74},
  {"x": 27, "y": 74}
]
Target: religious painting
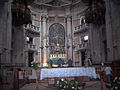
[{"x": 57, "y": 40}]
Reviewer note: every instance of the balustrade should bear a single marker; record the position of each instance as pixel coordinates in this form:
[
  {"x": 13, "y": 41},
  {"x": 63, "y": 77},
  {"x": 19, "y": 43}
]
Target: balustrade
[{"x": 81, "y": 27}]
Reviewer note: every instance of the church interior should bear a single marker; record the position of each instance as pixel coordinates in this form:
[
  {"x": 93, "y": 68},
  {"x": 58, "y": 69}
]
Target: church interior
[{"x": 59, "y": 45}]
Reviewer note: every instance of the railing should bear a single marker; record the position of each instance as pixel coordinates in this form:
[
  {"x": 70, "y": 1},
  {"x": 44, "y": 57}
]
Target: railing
[
  {"x": 83, "y": 45},
  {"x": 33, "y": 27},
  {"x": 32, "y": 47},
  {"x": 80, "y": 27}
]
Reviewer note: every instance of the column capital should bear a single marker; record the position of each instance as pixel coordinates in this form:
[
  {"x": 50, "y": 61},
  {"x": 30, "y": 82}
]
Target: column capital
[
  {"x": 68, "y": 17},
  {"x": 44, "y": 18}
]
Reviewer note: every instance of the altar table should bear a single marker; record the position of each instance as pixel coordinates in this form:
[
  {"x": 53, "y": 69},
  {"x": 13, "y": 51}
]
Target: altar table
[{"x": 68, "y": 72}]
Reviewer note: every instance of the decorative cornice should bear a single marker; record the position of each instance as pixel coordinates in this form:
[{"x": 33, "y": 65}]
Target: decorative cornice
[{"x": 48, "y": 6}]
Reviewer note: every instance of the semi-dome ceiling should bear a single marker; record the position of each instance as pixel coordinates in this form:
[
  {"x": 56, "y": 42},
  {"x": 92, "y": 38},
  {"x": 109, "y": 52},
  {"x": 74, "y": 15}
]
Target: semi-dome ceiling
[{"x": 56, "y": 3}]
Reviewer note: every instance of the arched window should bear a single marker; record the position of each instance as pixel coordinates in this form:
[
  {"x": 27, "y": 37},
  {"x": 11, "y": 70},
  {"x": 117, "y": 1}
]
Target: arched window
[{"x": 82, "y": 20}]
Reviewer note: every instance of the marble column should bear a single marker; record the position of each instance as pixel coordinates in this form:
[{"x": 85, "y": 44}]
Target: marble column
[
  {"x": 41, "y": 40},
  {"x": 44, "y": 42},
  {"x": 80, "y": 58},
  {"x": 72, "y": 43},
  {"x": 69, "y": 46},
  {"x": 70, "y": 37},
  {"x": 66, "y": 43},
  {"x": 47, "y": 40}
]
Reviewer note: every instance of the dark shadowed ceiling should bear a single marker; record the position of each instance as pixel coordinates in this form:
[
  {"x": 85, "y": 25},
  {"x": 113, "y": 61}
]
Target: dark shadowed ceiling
[{"x": 56, "y": 2}]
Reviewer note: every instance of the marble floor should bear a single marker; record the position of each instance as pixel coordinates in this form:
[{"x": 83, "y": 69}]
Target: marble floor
[{"x": 91, "y": 85}]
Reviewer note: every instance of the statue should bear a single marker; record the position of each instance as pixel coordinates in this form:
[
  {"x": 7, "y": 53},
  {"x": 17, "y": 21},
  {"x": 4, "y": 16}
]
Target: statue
[
  {"x": 50, "y": 63},
  {"x": 60, "y": 63},
  {"x": 69, "y": 63}
]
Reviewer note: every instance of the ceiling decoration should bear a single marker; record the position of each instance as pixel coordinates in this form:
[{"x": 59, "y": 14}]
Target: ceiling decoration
[
  {"x": 56, "y": 3},
  {"x": 96, "y": 12}
]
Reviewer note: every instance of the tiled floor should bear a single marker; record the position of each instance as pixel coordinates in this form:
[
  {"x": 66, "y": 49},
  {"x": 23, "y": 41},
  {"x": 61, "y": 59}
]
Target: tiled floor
[
  {"x": 94, "y": 85},
  {"x": 32, "y": 86}
]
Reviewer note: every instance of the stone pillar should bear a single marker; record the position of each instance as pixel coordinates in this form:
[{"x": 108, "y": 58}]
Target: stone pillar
[
  {"x": 80, "y": 58},
  {"x": 69, "y": 38},
  {"x": 15, "y": 79},
  {"x": 96, "y": 44},
  {"x": 5, "y": 32},
  {"x": 18, "y": 46},
  {"x": 72, "y": 33},
  {"x": 113, "y": 30},
  {"x": 44, "y": 42},
  {"x": 41, "y": 40},
  {"x": 26, "y": 52},
  {"x": 66, "y": 38},
  {"x": 47, "y": 40}
]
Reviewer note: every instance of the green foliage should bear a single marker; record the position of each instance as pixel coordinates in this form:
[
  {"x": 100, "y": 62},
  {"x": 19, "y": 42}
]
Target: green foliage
[
  {"x": 116, "y": 83},
  {"x": 64, "y": 84},
  {"x": 35, "y": 65}
]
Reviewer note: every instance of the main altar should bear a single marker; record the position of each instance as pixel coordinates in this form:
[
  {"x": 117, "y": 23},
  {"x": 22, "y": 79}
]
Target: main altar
[{"x": 67, "y": 72}]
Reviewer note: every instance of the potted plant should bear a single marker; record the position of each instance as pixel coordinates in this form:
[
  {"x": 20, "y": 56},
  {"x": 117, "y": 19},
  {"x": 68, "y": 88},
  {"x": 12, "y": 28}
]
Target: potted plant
[
  {"x": 64, "y": 84},
  {"x": 116, "y": 83}
]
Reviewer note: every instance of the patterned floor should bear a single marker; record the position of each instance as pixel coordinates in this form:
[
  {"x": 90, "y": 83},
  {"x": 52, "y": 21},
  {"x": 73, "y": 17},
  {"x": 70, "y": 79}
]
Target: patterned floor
[{"x": 92, "y": 85}]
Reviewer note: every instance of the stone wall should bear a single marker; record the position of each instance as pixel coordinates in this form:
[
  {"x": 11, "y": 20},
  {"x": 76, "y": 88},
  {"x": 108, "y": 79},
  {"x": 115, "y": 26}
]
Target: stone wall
[
  {"x": 113, "y": 30},
  {"x": 18, "y": 46},
  {"x": 5, "y": 32},
  {"x": 97, "y": 39}
]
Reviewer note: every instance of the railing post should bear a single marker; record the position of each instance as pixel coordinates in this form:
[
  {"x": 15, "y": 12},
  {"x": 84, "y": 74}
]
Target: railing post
[{"x": 15, "y": 78}]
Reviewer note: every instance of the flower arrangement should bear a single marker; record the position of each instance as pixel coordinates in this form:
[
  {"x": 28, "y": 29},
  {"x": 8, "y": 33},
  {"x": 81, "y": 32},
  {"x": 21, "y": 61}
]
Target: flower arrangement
[
  {"x": 116, "y": 83},
  {"x": 64, "y": 84},
  {"x": 34, "y": 65}
]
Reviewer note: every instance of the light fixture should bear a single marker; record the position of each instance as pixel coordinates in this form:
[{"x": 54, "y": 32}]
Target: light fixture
[
  {"x": 27, "y": 38},
  {"x": 86, "y": 37}
]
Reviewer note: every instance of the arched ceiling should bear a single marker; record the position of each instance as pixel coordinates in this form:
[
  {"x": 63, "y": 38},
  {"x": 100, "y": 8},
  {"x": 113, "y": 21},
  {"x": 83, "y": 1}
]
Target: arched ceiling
[{"x": 56, "y": 3}]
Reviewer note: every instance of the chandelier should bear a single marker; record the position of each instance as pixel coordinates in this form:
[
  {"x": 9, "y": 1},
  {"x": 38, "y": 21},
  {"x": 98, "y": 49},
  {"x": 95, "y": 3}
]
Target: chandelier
[{"x": 20, "y": 12}]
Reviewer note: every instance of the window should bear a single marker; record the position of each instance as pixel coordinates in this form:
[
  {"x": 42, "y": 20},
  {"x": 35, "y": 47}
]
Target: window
[
  {"x": 82, "y": 20},
  {"x": 57, "y": 39},
  {"x": 86, "y": 38}
]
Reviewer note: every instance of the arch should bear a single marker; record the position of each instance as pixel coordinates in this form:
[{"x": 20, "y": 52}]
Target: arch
[
  {"x": 56, "y": 35},
  {"x": 82, "y": 20},
  {"x": 57, "y": 41}
]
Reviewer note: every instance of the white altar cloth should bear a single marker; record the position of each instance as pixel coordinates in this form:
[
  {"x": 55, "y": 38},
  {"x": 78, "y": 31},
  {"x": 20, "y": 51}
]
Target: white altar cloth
[{"x": 68, "y": 72}]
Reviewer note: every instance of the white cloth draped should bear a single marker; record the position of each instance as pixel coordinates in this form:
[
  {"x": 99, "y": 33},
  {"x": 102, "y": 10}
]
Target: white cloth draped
[{"x": 68, "y": 72}]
